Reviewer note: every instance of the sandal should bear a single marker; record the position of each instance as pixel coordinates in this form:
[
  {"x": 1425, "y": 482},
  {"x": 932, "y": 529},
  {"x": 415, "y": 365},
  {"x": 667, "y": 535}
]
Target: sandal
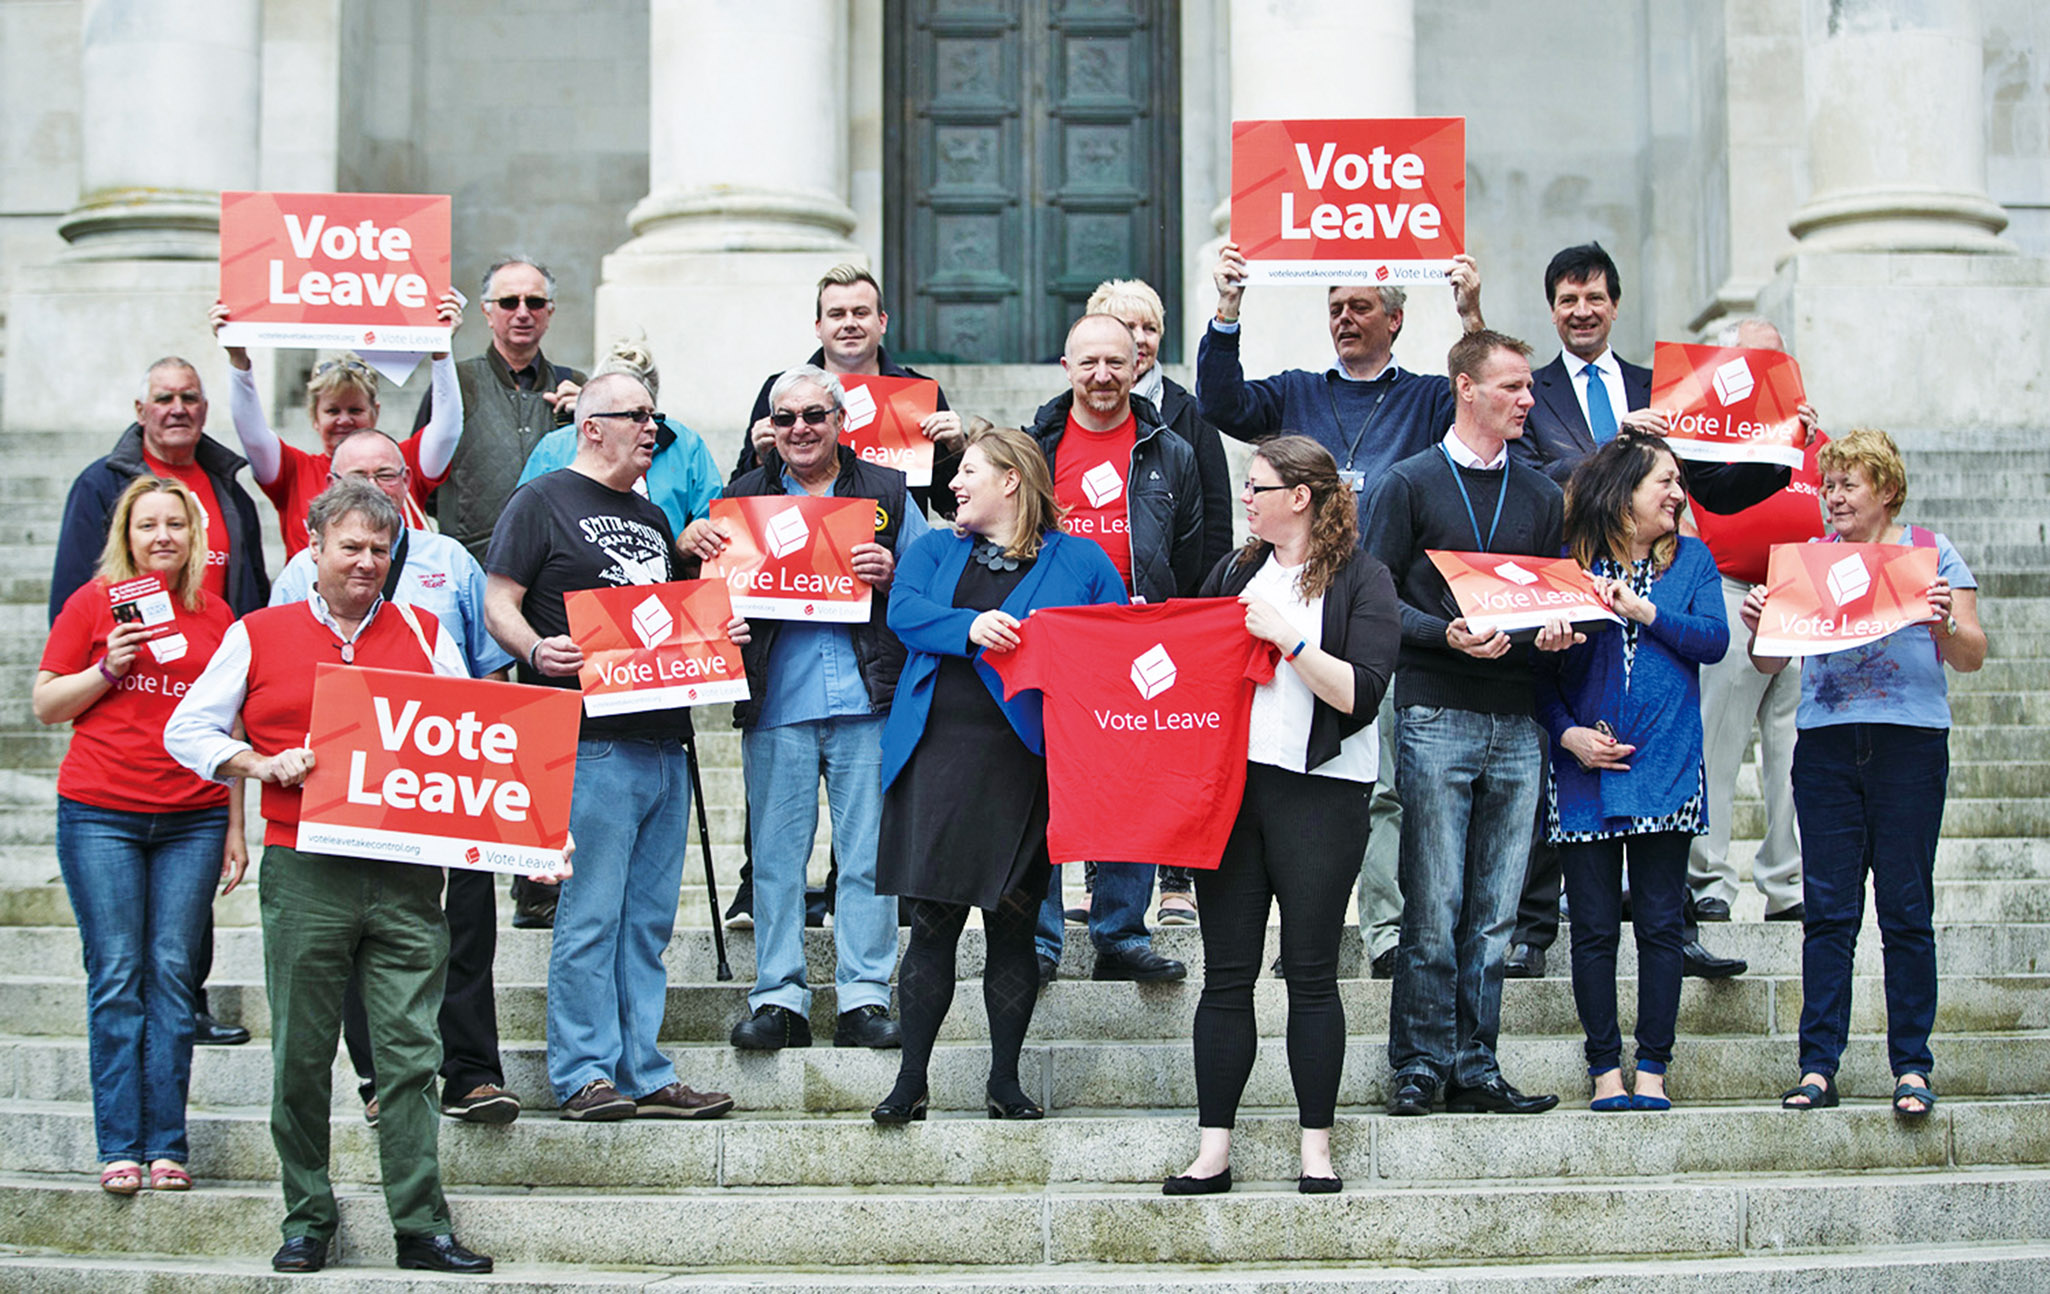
[
  {"x": 1175, "y": 910},
  {"x": 1816, "y": 1098},
  {"x": 169, "y": 1175},
  {"x": 122, "y": 1177},
  {"x": 1907, "y": 1091}
]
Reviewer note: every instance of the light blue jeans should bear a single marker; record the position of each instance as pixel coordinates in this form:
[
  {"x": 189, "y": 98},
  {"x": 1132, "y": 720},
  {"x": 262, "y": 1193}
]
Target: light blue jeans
[
  {"x": 783, "y": 766},
  {"x": 607, "y": 987}
]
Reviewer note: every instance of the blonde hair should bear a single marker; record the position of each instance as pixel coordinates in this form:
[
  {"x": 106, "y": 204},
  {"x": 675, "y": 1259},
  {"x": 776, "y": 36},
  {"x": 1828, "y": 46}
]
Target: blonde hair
[
  {"x": 331, "y": 377},
  {"x": 631, "y": 356},
  {"x": 1873, "y": 450},
  {"x": 117, "y": 560},
  {"x": 1010, "y": 449},
  {"x": 1119, "y": 296}
]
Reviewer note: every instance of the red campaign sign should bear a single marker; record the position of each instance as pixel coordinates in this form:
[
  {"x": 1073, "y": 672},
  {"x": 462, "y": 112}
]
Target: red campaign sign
[
  {"x": 1729, "y": 404},
  {"x": 884, "y": 415},
  {"x": 355, "y": 271},
  {"x": 1369, "y": 201},
  {"x": 790, "y": 556},
  {"x": 444, "y": 772},
  {"x": 1822, "y": 598},
  {"x": 1499, "y": 591},
  {"x": 655, "y": 646}
]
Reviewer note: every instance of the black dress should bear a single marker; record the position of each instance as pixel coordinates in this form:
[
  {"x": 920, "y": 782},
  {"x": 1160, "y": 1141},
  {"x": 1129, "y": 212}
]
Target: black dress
[{"x": 965, "y": 820}]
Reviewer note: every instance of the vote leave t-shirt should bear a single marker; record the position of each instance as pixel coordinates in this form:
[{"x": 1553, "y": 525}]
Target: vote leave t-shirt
[
  {"x": 1742, "y": 541},
  {"x": 1090, "y": 468},
  {"x": 1146, "y": 712},
  {"x": 302, "y": 476},
  {"x": 194, "y": 478}
]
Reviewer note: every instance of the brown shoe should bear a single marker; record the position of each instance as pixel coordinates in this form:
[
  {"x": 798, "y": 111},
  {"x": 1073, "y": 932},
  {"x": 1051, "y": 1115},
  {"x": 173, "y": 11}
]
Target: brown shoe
[
  {"x": 483, "y": 1103},
  {"x": 679, "y": 1102},
  {"x": 597, "y": 1101}
]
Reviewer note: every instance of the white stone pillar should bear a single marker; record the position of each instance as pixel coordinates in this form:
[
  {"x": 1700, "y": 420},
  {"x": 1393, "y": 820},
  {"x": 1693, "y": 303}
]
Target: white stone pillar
[{"x": 747, "y": 203}]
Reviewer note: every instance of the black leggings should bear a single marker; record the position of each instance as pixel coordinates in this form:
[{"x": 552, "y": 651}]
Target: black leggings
[
  {"x": 1298, "y": 839},
  {"x": 1010, "y": 984}
]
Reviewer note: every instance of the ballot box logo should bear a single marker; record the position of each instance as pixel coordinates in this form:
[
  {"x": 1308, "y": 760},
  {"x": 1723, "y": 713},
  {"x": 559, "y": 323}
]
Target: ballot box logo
[
  {"x": 1733, "y": 382},
  {"x": 473, "y": 856},
  {"x": 1515, "y": 574},
  {"x": 652, "y": 621},
  {"x": 1101, "y": 484},
  {"x": 1848, "y": 580},
  {"x": 786, "y": 533},
  {"x": 859, "y": 404},
  {"x": 1380, "y": 273},
  {"x": 1153, "y": 671}
]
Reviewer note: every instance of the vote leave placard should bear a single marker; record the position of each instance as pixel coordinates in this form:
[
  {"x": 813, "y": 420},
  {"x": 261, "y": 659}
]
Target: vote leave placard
[
  {"x": 1381, "y": 201},
  {"x": 655, "y": 646},
  {"x": 1729, "y": 404},
  {"x": 1496, "y": 591},
  {"x": 444, "y": 772},
  {"x": 349, "y": 271},
  {"x": 790, "y": 556},
  {"x": 1821, "y": 598},
  {"x": 883, "y": 419}
]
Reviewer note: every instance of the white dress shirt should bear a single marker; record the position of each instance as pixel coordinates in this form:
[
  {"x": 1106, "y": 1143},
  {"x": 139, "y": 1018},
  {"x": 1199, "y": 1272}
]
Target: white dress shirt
[{"x": 1611, "y": 373}]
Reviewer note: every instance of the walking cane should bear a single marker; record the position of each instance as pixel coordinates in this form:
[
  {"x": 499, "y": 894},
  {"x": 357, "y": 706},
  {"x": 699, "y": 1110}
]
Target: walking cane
[{"x": 697, "y": 794}]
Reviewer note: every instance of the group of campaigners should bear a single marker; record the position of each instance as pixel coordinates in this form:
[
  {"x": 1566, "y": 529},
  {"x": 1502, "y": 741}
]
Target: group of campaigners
[{"x": 1453, "y": 776}]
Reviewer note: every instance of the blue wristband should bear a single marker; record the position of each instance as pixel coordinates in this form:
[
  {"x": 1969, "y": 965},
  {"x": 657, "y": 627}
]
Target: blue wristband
[{"x": 1298, "y": 650}]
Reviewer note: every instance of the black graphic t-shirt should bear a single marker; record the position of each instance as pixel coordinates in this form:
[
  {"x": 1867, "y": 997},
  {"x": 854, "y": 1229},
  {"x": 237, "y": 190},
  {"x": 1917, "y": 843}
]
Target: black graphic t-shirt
[{"x": 564, "y": 531}]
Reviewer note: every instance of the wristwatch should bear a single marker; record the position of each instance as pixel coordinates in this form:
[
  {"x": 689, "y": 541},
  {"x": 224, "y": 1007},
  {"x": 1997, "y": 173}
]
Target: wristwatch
[{"x": 1950, "y": 626}]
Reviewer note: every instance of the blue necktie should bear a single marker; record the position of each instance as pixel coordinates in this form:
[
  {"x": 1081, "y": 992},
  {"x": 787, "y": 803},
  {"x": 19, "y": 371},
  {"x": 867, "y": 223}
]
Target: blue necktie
[{"x": 1601, "y": 415}]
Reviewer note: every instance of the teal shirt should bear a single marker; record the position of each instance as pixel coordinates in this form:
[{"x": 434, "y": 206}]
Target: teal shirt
[{"x": 682, "y": 481}]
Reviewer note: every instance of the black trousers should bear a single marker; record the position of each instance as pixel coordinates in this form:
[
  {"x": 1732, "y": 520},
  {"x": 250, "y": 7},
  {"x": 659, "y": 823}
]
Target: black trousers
[
  {"x": 1297, "y": 841},
  {"x": 1537, "y": 912},
  {"x": 469, "y": 1011}
]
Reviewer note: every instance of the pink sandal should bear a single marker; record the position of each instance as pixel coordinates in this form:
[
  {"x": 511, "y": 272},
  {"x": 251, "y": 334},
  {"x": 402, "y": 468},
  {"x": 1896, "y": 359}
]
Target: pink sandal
[
  {"x": 122, "y": 1177},
  {"x": 169, "y": 1176}
]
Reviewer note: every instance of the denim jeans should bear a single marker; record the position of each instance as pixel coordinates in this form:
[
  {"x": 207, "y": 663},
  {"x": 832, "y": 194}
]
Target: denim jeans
[
  {"x": 607, "y": 987},
  {"x": 142, "y": 886},
  {"x": 1117, "y": 910},
  {"x": 1658, "y": 896},
  {"x": 783, "y": 766},
  {"x": 1469, "y": 790},
  {"x": 1869, "y": 797}
]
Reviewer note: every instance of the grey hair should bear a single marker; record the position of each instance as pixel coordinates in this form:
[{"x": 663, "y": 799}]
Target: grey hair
[
  {"x": 484, "y": 284},
  {"x": 630, "y": 356},
  {"x": 170, "y": 361},
  {"x": 809, "y": 375},
  {"x": 1393, "y": 299},
  {"x": 1727, "y": 334},
  {"x": 602, "y": 382},
  {"x": 353, "y": 495}
]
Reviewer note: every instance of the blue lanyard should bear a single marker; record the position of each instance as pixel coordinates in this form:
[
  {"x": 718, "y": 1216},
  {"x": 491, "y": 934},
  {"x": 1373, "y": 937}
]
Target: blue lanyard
[{"x": 1475, "y": 521}]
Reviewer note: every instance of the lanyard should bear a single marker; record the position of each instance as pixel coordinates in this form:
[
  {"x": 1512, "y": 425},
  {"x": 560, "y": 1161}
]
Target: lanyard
[
  {"x": 1475, "y": 521},
  {"x": 1352, "y": 446}
]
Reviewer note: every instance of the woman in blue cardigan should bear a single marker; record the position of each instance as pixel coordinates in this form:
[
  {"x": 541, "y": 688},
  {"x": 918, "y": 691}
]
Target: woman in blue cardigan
[
  {"x": 964, "y": 771},
  {"x": 1624, "y": 711}
]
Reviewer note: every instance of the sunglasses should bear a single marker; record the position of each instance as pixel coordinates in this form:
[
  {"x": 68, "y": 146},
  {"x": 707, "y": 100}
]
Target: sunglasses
[
  {"x": 636, "y": 416},
  {"x": 533, "y": 303},
  {"x": 348, "y": 364},
  {"x": 812, "y": 417}
]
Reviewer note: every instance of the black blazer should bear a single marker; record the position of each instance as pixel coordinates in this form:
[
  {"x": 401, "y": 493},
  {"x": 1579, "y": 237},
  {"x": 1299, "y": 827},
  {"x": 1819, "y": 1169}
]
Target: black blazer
[{"x": 1362, "y": 626}]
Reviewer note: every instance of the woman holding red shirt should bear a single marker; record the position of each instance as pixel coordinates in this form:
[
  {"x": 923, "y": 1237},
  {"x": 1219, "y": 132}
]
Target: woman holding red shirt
[{"x": 139, "y": 839}]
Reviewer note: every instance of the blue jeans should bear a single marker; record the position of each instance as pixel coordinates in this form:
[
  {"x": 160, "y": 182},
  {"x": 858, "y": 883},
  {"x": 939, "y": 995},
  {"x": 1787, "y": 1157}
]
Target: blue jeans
[
  {"x": 1469, "y": 790},
  {"x": 783, "y": 766},
  {"x": 607, "y": 987},
  {"x": 1117, "y": 910},
  {"x": 1869, "y": 797},
  {"x": 142, "y": 885}
]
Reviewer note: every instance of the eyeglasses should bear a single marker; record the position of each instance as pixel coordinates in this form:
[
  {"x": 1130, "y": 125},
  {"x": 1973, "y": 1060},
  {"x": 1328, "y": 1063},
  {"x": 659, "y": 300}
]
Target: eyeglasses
[
  {"x": 812, "y": 417},
  {"x": 1250, "y": 488},
  {"x": 383, "y": 475},
  {"x": 348, "y": 364},
  {"x": 635, "y": 416},
  {"x": 533, "y": 303}
]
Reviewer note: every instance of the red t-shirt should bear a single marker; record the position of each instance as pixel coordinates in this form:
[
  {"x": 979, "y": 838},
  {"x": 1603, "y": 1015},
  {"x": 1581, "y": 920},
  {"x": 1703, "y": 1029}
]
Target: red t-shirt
[
  {"x": 1147, "y": 710},
  {"x": 1089, "y": 480},
  {"x": 117, "y": 758},
  {"x": 194, "y": 478},
  {"x": 302, "y": 476},
  {"x": 1741, "y": 542}
]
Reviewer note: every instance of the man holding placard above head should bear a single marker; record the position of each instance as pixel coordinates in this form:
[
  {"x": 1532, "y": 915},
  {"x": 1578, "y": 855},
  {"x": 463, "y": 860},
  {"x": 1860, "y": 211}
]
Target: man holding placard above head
[
  {"x": 819, "y": 690},
  {"x": 1471, "y": 754},
  {"x": 581, "y": 527}
]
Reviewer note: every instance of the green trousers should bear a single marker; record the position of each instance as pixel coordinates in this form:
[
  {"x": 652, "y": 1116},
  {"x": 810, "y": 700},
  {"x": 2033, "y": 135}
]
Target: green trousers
[{"x": 325, "y": 918}]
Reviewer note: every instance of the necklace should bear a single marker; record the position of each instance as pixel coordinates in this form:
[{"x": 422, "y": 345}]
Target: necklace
[{"x": 988, "y": 552}]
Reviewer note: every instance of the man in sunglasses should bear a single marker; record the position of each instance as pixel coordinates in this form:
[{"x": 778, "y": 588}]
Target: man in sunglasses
[
  {"x": 512, "y": 397},
  {"x": 817, "y": 697}
]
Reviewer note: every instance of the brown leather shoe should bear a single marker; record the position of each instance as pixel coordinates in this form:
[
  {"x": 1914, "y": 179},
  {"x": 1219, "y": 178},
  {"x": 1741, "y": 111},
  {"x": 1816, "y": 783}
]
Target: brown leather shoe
[
  {"x": 484, "y": 1103},
  {"x": 597, "y": 1101},
  {"x": 679, "y": 1102}
]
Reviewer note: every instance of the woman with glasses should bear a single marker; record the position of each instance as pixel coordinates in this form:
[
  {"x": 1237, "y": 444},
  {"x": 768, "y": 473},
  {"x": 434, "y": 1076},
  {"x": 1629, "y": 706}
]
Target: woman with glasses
[{"x": 341, "y": 397}]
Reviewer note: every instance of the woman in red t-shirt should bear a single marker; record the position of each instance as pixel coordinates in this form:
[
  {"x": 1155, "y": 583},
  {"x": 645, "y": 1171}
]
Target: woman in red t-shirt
[{"x": 139, "y": 839}]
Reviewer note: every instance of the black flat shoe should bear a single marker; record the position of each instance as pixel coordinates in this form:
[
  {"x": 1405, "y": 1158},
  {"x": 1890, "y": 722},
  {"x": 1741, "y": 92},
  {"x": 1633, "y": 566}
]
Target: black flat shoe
[
  {"x": 1013, "y": 1106},
  {"x": 439, "y": 1254},
  {"x": 1141, "y": 964},
  {"x": 1495, "y": 1097},
  {"x": 1217, "y": 1185},
  {"x": 1412, "y": 1097},
  {"x": 300, "y": 1254},
  {"x": 1307, "y": 1185},
  {"x": 209, "y": 1032},
  {"x": 892, "y": 1114}
]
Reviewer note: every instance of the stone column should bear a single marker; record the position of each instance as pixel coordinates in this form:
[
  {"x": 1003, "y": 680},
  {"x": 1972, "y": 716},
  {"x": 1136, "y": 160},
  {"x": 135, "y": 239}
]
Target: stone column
[
  {"x": 748, "y": 201},
  {"x": 1905, "y": 307}
]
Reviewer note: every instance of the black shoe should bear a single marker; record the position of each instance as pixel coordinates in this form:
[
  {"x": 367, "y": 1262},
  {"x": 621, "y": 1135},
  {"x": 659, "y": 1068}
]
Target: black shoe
[
  {"x": 741, "y": 912},
  {"x": 1049, "y": 970},
  {"x": 1700, "y": 963},
  {"x": 1412, "y": 1097},
  {"x": 1141, "y": 963},
  {"x": 894, "y": 1112},
  {"x": 1798, "y": 912},
  {"x": 1279, "y": 973},
  {"x": 1709, "y": 910},
  {"x": 771, "y": 1028},
  {"x": 300, "y": 1254},
  {"x": 209, "y": 1032},
  {"x": 1524, "y": 962},
  {"x": 1496, "y": 1097},
  {"x": 534, "y": 907},
  {"x": 1383, "y": 966},
  {"x": 867, "y": 1026},
  {"x": 1319, "y": 1185},
  {"x": 1012, "y": 1103},
  {"x": 440, "y": 1254},
  {"x": 816, "y": 906},
  {"x": 1217, "y": 1185}
]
